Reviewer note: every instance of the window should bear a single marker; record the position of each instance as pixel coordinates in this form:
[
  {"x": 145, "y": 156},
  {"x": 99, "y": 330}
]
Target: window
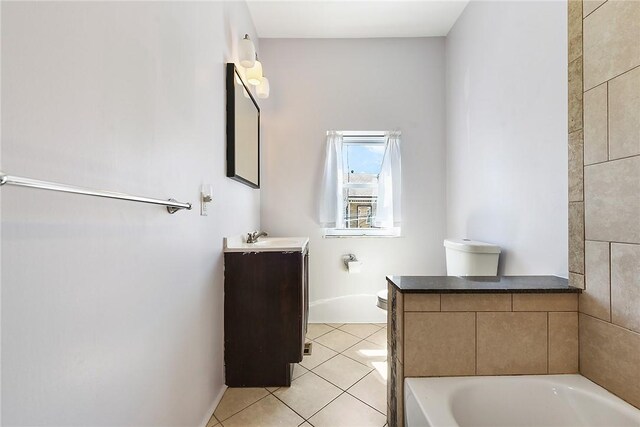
[{"x": 361, "y": 191}]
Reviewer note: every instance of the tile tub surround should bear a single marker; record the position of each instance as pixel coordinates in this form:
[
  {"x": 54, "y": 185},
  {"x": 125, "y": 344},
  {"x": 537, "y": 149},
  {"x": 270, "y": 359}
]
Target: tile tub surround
[
  {"x": 604, "y": 242},
  {"x": 438, "y": 331},
  {"x": 332, "y": 387}
]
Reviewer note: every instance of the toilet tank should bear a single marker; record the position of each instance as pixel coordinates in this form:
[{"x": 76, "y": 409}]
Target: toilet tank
[{"x": 471, "y": 258}]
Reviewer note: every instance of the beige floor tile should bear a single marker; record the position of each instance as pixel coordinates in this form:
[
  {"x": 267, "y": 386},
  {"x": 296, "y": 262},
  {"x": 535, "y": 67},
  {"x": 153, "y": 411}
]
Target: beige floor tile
[
  {"x": 308, "y": 394},
  {"x": 337, "y": 340},
  {"x": 213, "y": 422},
  {"x": 319, "y": 355},
  {"x": 379, "y": 337},
  {"x": 381, "y": 325},
  {"x": 347, "y": 411},
  {"x": 298, "y": 371},
  {"x": 314, "y": 330},
  {"x": 305, "y": 424},
  {"x": 372, "y": 390},
  {"x": 335, "y": 325},
  {"x": 266, "y": 412},
  {"x": 361, "y": 330},
  {"x": 237, "y": 399},
  {"x": 368, "y": 353},
  {"x": 342, "y": 371}
]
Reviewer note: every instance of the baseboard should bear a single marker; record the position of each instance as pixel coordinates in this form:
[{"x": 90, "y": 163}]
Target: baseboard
[{"x": 214, "y": 405}]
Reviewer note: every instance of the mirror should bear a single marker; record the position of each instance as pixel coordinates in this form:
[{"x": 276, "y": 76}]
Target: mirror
[{"x": 243, "y": 131}]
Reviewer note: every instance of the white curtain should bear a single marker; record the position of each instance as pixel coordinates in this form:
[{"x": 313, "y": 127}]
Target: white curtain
[
  {"x": 390, "y": 185},
  {"x": 331, "y": 200}
]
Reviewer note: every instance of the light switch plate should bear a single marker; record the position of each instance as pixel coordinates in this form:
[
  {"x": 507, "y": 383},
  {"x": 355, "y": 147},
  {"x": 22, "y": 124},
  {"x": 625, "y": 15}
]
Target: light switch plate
[{"x": 206, "y": 197}]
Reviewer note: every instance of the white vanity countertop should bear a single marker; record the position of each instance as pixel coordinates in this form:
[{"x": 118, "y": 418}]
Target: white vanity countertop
[{"x": 266, "y": 244}]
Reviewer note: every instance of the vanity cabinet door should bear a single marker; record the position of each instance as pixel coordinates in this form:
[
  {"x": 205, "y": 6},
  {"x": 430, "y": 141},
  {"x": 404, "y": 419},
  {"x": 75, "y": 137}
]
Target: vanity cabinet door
[{"x": 265, "y": 316}]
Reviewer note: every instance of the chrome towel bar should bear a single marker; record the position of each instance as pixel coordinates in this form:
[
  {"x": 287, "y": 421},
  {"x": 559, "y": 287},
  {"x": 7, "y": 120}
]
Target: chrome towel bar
[{"x": 173, "y": 206}]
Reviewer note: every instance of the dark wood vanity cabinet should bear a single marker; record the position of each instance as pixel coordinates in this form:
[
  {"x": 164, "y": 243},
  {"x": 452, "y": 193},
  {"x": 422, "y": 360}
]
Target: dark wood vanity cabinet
[{"x": 266, "y": 306}]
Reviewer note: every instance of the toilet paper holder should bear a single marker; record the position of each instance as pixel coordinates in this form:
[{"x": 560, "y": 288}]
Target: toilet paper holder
[
  {"x": 346, "y": 259},
  {"x": 352, "y": 264}
]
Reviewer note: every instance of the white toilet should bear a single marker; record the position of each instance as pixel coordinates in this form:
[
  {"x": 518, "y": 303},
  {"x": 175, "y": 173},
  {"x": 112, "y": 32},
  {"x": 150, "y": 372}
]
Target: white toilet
[{"x": 471, "y": 258}]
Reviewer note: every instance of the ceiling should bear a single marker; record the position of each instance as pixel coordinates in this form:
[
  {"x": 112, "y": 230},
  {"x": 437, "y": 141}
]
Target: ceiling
[{"x": 354, "y": 18}]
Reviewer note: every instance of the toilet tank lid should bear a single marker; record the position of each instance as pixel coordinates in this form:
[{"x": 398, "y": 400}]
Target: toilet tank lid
[{"x": 473, "y": 246}]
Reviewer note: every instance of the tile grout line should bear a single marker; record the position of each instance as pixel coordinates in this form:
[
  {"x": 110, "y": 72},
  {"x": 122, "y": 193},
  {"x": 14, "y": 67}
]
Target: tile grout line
[
  {"x": 548, "y": 341},
  {"x": 609, "y": 241},
  {"x": 631, "y": 156},
  {"x": 608, "y": 80},
  {"x": 590, "y": 13},
  {"x": 285, "y": 404},
  {"x": 365, "y": 403},
  {"x": 243, "y": 409},
  {"x": 613, "y": 324}
]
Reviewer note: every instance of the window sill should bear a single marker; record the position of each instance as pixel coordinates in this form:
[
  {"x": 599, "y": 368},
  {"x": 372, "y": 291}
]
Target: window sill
[{"x": 331, "y": 233}]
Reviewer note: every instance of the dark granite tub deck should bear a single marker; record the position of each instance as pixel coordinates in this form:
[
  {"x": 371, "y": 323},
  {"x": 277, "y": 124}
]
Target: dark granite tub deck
[{"x": 475, "y": 285}]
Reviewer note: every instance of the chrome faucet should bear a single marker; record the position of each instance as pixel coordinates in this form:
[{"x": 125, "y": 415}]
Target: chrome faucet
[{"x": 253, "y": 237}]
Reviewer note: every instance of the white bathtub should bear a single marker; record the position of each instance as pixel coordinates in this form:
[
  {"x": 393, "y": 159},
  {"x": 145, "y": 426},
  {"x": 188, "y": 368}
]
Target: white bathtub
[{"x": 514, "y": 401}]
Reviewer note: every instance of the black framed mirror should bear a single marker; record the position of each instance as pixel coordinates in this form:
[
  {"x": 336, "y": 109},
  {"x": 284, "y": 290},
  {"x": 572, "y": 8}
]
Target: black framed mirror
[{"x": 243, "y": 131}]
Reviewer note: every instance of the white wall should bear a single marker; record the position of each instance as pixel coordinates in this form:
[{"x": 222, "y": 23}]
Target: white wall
[
  {"x": 354, "y": 84},
  {"x": 507, "y": 130},
  {"x": 112, "y": 310}
]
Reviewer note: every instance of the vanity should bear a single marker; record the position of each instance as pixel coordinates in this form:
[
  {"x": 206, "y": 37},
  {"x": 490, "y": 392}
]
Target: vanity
[{"x": 266, "y": 304}]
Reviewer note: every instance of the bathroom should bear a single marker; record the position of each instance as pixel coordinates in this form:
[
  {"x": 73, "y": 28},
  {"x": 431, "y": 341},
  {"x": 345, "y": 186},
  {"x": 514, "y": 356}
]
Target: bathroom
[{"x": 517, "y": 122}]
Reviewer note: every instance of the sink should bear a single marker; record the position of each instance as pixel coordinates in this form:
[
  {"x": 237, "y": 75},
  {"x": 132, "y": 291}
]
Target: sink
[{"x": 266, "y": 244}]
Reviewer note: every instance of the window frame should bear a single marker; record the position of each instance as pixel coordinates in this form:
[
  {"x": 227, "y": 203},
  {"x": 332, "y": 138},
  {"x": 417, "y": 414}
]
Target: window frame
[{"x": 364, "y": 138}]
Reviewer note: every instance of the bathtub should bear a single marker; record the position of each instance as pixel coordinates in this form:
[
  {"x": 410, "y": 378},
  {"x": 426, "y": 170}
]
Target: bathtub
[{"x": 514, "y": 401}]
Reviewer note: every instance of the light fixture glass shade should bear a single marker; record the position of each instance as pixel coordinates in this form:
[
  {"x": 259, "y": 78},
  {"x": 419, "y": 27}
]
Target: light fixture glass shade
[
  {"x": 246, "y": 52},
  {"x": 262, "y": 90},
  {"x": 254, "y": 74}
]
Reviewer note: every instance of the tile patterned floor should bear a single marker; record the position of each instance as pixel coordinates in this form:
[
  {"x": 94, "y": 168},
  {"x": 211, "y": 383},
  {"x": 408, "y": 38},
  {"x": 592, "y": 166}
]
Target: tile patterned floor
[{"x": 342, "y": 384}]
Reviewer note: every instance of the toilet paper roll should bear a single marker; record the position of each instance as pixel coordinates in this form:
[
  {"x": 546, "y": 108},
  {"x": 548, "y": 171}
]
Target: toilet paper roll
[{"x": 354, "y": 266}]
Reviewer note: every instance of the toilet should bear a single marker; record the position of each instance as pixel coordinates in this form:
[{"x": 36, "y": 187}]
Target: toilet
[{"x": 467, "y": 257}]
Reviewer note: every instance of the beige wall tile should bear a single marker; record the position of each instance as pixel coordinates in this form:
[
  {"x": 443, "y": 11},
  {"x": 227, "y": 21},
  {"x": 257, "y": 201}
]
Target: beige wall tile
[
  {"x": 609, "y": 357},
  {"x": 512, "y": 343},
  {"x": 576, "y": 158},
  {"x": 590, "y": 5},
  {"x": 563, "y": 343},
  {"x": 576, "y": 280},
  {"x": 596, "y": 299},
  {"x": 575, "y": 95},
  {"x": 438, "y": 344},
  {"x": 625, "y": 286},
  {"x": 574, "y": 24},
  {"x": 576, "y": 237},
  {"x": 611, "y": 45},
  {"x": 476, "y": 302},
  {"x": 612, "y": 200},
  {"x": 595, "y": 125},
  {"x": 624, "y": 114},
  {"x": 545, "y": 302},
  {"x": 422, "y": 302}
]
